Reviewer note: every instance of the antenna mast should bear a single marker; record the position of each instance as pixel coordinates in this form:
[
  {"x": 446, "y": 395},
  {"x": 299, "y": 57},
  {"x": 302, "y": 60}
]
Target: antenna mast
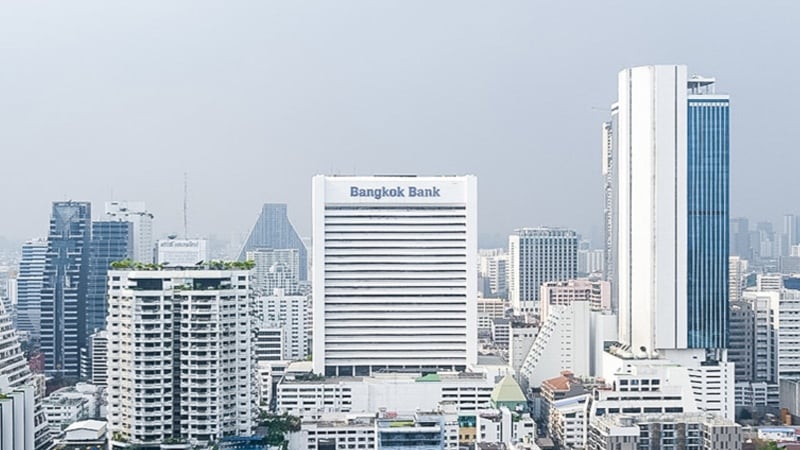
[{"x": 185, "y": 205}]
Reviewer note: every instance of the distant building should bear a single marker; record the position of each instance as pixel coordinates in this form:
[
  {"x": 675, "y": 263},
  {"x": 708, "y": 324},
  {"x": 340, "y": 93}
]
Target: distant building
[
  {"x": 111, "y": 241},
  {"x": 142, "y": 220},
  {"x": 274, "y": 230},
  {"x": 596, "y": 293},
  {"x": 285, "y": 317},
  {"x": 29, "y": 287},
  {"x": 66, "y": 276},
  {"x": 493, "y": 269},
  {"x": 536, "y": 256},
  {"x": 275, "y": 269}
]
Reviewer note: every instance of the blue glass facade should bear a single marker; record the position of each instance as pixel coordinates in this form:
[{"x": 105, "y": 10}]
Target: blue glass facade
[
  {"x": 274, "y": 230},
  {"x": 111, "y": 241},
  {"x": 708, "y": 221},
  {"x": 63, "y": 308}
]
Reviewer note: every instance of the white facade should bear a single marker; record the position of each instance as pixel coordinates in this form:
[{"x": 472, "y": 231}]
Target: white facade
[
  {"x": 788, "y": 334},
  {"x": 757, "y": 394},
  {"x": 142, "y": 220},
  {"x": 522, "y": 338},
  {"x": 563, "y": 343},
  {"x": 23, "y": 424},
  {"x": 737, "y": 268},
  {"x": 288, "y": 313},
  {"x": 536, "y": 256},
  {"x": 490, "y": 309},
  {"x": 765, "y": 306},
  {"x": 394, "y": 277},
  {"x": 652, "y": 275},
  {"x": 180, "y": 352},
  {"x": 29, "y": 287},
  {"x": 493, "y": 267},
  {"x": 181, "y": 252},
  {"x": 568, "y": 421},
  {"x": 500, "y": 425},
  {"x": 597, "y": 293},
  {"x": 704, "y": 385},
  {"x": 310, "y": 399},
  {"x": 275, "y": 269},
  {"x": 98, "y": 353}
]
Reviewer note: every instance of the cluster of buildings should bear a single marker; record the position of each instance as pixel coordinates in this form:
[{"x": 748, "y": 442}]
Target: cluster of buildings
[{"x": 394, "y": 331}]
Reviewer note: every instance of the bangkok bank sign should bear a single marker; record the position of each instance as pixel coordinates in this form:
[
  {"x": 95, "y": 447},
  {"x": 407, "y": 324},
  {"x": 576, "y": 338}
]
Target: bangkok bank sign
[{"x": 394, "y": 192}]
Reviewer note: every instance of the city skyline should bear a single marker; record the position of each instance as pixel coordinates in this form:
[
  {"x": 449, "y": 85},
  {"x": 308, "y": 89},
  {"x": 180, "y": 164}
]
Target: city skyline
[{"x": 511, "y": 107}]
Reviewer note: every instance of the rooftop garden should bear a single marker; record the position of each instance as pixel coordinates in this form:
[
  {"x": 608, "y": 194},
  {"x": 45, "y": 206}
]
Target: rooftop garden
[{"x": 128, "y": 264}]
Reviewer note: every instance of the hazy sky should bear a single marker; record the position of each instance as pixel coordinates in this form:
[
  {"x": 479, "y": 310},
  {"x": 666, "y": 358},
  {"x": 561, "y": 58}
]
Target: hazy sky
[{"x": 252, "y": 98}]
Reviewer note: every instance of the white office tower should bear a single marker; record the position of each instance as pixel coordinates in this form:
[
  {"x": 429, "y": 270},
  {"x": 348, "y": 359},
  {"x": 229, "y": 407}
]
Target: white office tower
[
  {"x": 181, "y": 252},
  {"x": 536, "y": 256},
  {"x": 275, "y": 269},
  {"x": 180, "y": 356},
  {"x": 671, "y": 209},
  {"x": 23, "y": 425},
  {"x": 142, "y": 220},
  {"x": 29, "y": 287},
  {"x": 394, "y": 276},
  {"x": 282, "y": 319}
]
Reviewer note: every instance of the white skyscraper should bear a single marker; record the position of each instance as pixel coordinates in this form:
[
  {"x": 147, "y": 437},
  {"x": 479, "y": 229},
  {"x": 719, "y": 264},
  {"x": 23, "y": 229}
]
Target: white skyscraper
[
  {"x": 536, "y": 256},
  {"x": 180, "y": 362},
  {"x": 136, "y": 213},
  {"x": 394, "y": 273},
  {"x": 275, "y": 269},
  {"x": 671, "y": 149}
]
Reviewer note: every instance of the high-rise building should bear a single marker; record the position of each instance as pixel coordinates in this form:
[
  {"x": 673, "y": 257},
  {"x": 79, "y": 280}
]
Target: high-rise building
[
  {"x": 181, "y": 252},
  {"x": 275, "y": 269},
  {"x": 142, "y": 220},
  {"x": 791, "y": 233},
  {"x": 287, "y": 313},
  {"x": 672, "y": 212},
  {"x": 23, "y": 425},
  {"x": 736, "y": 277},
  {"x": 610, "y": 205},
  {"x": 740, "y": 238},
  {"x": 29, "y": 287},
  {"x": 394, "y": 278},
  {"x": 597, "y": 293},
  {"x": 111, "y": 241},
  {"x": 274, "y": 230},
  {"x": 741, "y": 351},
  {"x": 64, "y": 290},
  {"x": 180, "y": 363},
  {"x": 536, "y": 256}
]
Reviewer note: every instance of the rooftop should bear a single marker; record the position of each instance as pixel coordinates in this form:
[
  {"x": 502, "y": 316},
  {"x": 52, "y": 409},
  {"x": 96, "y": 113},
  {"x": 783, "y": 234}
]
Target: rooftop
[{"x": 508, "y": 390}]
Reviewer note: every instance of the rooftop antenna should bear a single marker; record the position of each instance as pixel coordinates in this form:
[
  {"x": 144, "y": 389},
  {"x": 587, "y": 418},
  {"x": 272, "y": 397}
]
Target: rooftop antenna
[{"x": 185, "y": 205}]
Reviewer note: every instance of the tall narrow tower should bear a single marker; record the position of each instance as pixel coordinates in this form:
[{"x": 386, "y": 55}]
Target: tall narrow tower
[
  {"x": 63, "y": 310},
  {"x": 672, "y": 212}
]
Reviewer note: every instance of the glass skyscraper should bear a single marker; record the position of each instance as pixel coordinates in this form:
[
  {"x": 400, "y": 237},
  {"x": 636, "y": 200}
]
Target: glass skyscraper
[
  {"x": 112, "y": 240},
  {"x": 63, "y": 310},
  {"x": 708, "y": 150}
]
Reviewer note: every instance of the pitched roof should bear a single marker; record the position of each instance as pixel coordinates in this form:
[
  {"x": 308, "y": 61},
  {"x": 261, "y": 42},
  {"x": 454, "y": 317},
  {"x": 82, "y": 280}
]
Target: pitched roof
[{"x": 507, "y": 390}]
